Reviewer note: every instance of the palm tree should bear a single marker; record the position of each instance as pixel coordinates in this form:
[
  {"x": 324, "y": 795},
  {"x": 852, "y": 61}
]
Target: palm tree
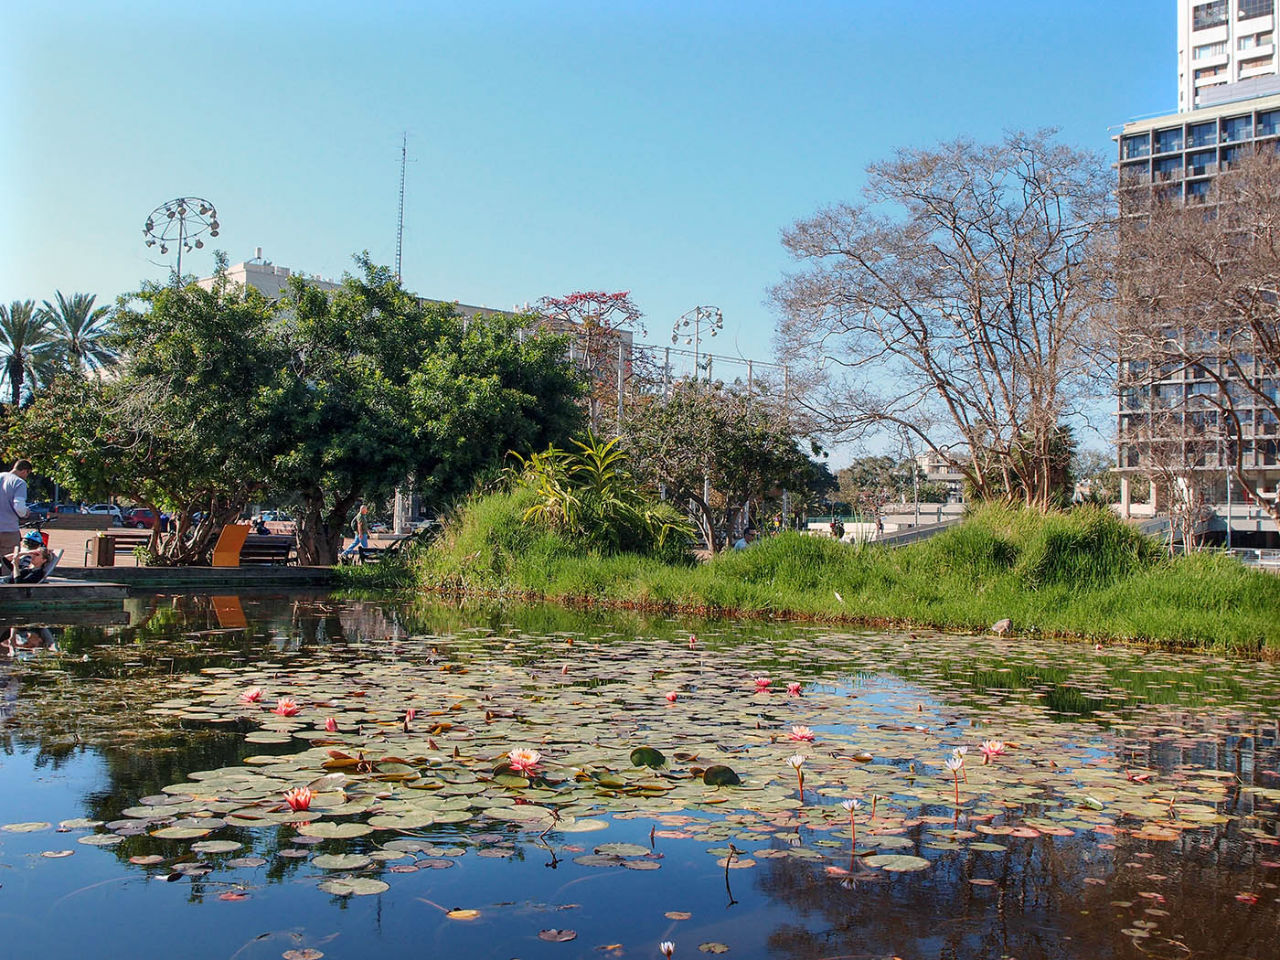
[
  {"x": 25, "y": 344},
  {"x": 80, "y": 330}
]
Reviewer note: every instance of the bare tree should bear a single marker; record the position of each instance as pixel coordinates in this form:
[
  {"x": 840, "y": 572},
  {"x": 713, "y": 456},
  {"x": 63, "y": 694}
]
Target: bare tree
[
  {"x": 1178, "y": 449},
  {"x": 954, "y": 305},
  {"x": 1197, "y": 312}
]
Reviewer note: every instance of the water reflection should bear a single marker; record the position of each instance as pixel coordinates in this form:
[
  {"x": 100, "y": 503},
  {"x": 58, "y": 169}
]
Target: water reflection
[{"x": 84, "y": 694}]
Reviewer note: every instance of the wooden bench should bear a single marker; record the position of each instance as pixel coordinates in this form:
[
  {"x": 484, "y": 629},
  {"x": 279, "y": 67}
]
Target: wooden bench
[{"x": 103, "y": 547}]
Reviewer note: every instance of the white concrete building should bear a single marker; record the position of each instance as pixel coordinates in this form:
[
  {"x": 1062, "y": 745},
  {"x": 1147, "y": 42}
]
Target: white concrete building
[{"x": 1226, "y": 51}]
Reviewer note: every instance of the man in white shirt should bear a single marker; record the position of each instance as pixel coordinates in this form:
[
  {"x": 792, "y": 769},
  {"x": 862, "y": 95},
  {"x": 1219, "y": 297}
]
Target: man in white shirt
[{"x": 13, "y": 505}]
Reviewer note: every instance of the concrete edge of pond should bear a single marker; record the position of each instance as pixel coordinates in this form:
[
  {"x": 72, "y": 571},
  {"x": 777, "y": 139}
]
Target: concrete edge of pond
[{"x": 168, "y": 578}]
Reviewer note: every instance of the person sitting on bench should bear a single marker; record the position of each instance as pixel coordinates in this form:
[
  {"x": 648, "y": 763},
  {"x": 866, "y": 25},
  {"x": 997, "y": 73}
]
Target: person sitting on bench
[{"x": 29, "y": 560}]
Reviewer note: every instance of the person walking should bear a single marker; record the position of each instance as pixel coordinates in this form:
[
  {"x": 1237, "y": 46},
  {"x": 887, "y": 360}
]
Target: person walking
[
  {"x": 360, "y": 525},
  {"x": 13, "y": 505}
]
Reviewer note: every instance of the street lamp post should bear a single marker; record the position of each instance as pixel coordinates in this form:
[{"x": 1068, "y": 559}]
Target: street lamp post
[
  {"x": 181, "y": 222},
  {"x": 694, "y": 320}
]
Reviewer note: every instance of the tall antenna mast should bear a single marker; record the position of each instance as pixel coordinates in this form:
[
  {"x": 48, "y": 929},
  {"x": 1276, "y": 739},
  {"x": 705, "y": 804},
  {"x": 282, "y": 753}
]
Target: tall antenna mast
[{"x": 404, "y": 160}]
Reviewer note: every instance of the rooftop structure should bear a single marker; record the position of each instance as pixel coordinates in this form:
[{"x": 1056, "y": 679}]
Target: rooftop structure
[{"x": 1226, "y": 51}]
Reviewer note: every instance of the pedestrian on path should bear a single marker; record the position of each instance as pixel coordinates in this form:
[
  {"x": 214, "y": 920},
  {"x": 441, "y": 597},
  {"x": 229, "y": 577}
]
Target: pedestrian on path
[
  {"x": 360, "y": 525},
  {"x": 13, "y": 505}
]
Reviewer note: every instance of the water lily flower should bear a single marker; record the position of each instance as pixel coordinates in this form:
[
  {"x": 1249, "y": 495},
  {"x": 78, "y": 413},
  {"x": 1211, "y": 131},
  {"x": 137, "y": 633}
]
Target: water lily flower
[
  {"x": 672, "y": 696},
  {"x": 803, "y": 734},
  {"x": 298, "y": 799},
  {"x": 252, "y": 695},
  {"x": 666, "y": 948},
  {"x": 991, "y": 748},
  {"x": 331, "y": 725},
  {"x": 522, "y": 760},
  {"x": 762, "y": 684},
  {"x": 960, "y": 752},
  {"x": 693, "y": 639},
  {"x": 852, "y": 804},
  {"x": 793, "y": 689},
  {"x": 286, "y": 707},
  {"x": 797, "y": 761},
  {"x": 410, "y": 714},
  {"x": 955, "y": 763}
]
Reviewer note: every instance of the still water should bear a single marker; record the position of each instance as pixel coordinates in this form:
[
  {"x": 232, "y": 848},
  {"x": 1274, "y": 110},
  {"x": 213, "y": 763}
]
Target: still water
[{"x": 1131, "y": 812}]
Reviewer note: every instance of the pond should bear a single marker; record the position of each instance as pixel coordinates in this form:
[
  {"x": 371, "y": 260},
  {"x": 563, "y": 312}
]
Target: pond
[{"x": 262, "y": 776}]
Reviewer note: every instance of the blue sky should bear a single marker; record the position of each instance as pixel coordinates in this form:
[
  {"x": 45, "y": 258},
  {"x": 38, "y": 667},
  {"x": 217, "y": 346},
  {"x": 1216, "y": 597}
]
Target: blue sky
[{"x": 654, "y": 147}]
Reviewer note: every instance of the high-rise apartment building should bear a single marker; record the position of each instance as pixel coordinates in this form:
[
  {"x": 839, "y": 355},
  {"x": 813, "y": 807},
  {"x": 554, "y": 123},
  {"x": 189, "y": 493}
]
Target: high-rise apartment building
[
  {"x": 1229, "y": 100},
  {"x": 1226, "y": 51}
]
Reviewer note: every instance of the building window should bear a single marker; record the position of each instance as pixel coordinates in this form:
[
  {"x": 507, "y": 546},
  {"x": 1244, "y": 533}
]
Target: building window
[
  {"x": 1255, "y": 8},
  {"x": 1167, "y": 168},
  {"x": 1232, "y": 155},
  {"x": 1269, "y": 123},
  {"x": 1202, "y": 163},
  {"x": 1137, "y": 146},
  {"x": 1198, "y": 189},
  {"x": 1209, "y": 50},
  {"x": 1206, "y": 15},
  {"x": 1169, "y": 140},
  {"x": 1210, "y": 73},
  {"x": 1257, "y": 63},
  {"x": 1254, "y": 40},
  {"x": 1202, "y": 134},
  {"x": 1235, "y": 129}
]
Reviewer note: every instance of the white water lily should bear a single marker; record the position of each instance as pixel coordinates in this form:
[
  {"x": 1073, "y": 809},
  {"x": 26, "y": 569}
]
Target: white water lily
[{"x": 667, "y": 948}]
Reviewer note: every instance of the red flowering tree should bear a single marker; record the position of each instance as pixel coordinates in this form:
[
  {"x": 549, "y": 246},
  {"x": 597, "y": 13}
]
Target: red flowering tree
[{"x": 601, "y": 326}]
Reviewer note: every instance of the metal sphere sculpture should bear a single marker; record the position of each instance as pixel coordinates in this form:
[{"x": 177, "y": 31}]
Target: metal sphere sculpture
[{"x": 181, "y": 224}]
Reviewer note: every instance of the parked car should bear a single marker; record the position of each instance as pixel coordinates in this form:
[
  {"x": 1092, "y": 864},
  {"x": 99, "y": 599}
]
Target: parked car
[
  {"x": 109, "y": 509},
  {"x": 140, "y": 517},
  {"x": 39, "y": 511},
  {"x": 276, "y": 516},
  {"x": 67, "y": 508}
]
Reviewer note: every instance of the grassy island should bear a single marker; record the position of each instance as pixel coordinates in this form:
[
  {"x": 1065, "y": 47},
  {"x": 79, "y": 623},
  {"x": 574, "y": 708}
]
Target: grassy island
[{"x": 1081, "y": 574}]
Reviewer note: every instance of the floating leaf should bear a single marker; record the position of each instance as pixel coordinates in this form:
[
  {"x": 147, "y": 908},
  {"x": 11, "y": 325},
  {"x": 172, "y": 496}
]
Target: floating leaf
[
  {"x": 647, "y": 757},
  {"x": 712, "y": 946},
  {"x": 897, "y": 862},
  {"x": 354, "y": 886},
  {"x": 720, "y": 776},
  {"x": 31, "y": 827},
  {"x": 557, "y": 936},
  {"x": 461, "y": 914}
]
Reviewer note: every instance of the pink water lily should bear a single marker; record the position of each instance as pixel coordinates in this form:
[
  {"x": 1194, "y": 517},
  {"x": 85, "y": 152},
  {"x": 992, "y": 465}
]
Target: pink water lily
[
  {"x": 286, "y": 707},
  {"x": 298, "y": 799},
  {"x": 252, "y": 695},
  {"x": 693, "y": 639},
  {"x": 331, "y": 725},
  {"x": 410, "y": 714},
  {"x": 991, "y": 749},
  {"x": 522, "y": 760},
  {"x": 802, "y": 734},
  {"x": 793, "y": 689},
  {"x": 762, "y": 684},
  {"x": 672, "y": 697}
]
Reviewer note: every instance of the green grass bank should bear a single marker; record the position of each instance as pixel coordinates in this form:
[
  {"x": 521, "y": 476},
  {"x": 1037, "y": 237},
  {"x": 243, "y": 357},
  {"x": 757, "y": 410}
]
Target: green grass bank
[{"x": 1082, "y": 574}]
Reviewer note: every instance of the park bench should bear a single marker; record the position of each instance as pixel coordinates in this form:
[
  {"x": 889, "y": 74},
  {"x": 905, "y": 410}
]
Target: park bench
[
  {"x": 267, "y": 549},
  {"x": 238, "y": 546},
  {"x": 103, "y": 547}
]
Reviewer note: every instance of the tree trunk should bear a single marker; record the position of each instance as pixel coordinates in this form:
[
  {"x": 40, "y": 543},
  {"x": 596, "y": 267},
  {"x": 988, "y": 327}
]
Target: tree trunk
[{"x": 320, "y": 536}]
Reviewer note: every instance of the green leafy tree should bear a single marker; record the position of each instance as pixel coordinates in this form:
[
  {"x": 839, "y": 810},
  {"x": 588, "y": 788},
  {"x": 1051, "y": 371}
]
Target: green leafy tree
[
  {"x": 737, "y": 442},
  {"x": 180, "y": 428},
  {"x": 385, "y": 387},
  {"x": 26, "y": 346},
  {"x": 81, "y": 331}
]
